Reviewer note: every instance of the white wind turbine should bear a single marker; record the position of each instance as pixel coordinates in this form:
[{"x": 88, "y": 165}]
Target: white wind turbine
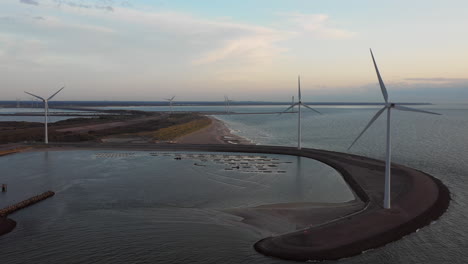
[
  {"x": 388, "y": 106},
  {"x": 299, "y": 104},
  {"x": 170, "y": 102},
  {"x": 46, "y": 111},
  {"x": 227, "y": 103}
]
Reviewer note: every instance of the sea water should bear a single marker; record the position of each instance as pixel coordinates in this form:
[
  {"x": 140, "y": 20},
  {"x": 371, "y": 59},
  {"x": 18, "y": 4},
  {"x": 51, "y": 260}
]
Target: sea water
[
  {"x": 434, "y": 144},
  {"x": 40, "y": 119},
  {"x": 151, "y": 207}
]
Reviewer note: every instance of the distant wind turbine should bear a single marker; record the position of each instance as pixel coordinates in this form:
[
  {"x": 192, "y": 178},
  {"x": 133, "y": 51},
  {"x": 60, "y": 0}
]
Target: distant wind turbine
[
  {"x": 227, "y": 104},
  {"x": 46, "y": 111},
  {"x": 299, "y": 104},
  {"x": 170, "y": 102},
  {"x": 388, "y": 106}
]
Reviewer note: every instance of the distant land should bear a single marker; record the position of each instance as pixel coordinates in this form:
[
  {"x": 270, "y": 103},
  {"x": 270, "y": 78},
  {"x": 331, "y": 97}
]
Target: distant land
[{"x": 52, "y": 104}]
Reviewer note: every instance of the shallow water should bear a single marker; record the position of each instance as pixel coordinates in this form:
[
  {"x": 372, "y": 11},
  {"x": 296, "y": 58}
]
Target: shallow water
[
  {"x": 52, "y": 119},
  {"x": 128, "y": 207}
]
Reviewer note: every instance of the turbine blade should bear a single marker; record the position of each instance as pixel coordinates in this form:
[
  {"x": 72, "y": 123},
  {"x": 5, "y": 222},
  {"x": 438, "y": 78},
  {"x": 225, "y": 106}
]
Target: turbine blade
[
  {"x": 404, "y": 108},
  {"x": 36, "y": 96},
  {"x": 299, "y": 87},
  {"x": 55, "y": 93},
  {"x": 368, "y": 125},
  {"x": 287, "y": 109},
  {"x": 311, "y": 109},
  {"x": 382, "y": 85},
  {"x": 172, "y": 98}
]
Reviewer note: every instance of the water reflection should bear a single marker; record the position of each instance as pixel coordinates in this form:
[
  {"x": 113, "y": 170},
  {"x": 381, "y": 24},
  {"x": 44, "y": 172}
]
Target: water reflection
[
  {"x": 114, "y": 202},
  {"x": 298, "y": 179}
]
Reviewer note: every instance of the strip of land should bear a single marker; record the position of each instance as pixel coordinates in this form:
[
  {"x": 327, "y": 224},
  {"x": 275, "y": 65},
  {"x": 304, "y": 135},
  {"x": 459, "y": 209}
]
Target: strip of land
[{"x": 216, "y": 133}]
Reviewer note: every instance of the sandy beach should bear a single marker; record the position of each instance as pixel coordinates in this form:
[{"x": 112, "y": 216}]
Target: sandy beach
[{"x": 216, "y": 133}]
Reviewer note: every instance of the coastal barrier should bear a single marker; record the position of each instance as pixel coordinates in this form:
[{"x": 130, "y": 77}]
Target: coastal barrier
[
  {"x": 5, "y": 152},
  {"x": 23, "y": 204}
]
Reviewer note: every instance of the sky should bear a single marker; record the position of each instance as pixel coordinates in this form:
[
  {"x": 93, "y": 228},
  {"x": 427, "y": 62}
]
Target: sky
[{"x": 247, "y": 49}]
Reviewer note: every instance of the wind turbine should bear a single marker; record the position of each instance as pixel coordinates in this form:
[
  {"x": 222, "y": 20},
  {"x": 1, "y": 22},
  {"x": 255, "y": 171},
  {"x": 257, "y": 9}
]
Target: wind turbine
[
  {"x": 299, "y": 104},
  {"x": 46, "y": 110},
  {"x": 388, "y": 107},
  {"x": 226, "y": 104},
  {"x": 170, "y": 102}
]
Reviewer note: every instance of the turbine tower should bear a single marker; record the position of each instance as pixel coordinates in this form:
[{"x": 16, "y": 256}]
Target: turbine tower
[
  {"x": 170, "y": 102},
  {"x": 299, "y": 104},
  {"x": 292, "y": 109},
  {"x": 226, "y": 104},
  {"x": 46, "y": 111},
  {"x": 388, "y": 107}
]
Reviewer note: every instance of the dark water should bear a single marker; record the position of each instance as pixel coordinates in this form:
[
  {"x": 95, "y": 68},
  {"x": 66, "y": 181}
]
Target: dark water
[{"x": 148, "y": 207}]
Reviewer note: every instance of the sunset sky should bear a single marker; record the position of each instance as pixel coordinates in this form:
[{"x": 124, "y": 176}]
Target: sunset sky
[{"x": 247, "y": 49}]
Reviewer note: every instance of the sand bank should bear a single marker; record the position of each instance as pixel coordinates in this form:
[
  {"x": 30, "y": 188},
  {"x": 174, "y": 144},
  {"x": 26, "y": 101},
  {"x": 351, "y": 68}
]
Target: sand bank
[{"x": 216, "y": 133}]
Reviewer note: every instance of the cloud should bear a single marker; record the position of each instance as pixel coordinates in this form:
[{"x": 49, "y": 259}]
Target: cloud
[
  {"x": 59, "y": 24},
  {"x": 211, "y": 41},
  {"x": 29, "y": 2},
  {"x": 318, "y": 25},
  {"x": 147, "y": 47},
  {"x": 259, "y": 47},
  {"x": 438, "y": 79},
  {"x": 84, "y": 5}
]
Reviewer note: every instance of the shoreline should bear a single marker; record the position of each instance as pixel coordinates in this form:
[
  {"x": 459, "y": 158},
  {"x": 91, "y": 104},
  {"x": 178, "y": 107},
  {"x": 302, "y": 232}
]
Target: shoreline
[
  {"x": 417, "y": 200},
  {"x": 216, "y": 133}
]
